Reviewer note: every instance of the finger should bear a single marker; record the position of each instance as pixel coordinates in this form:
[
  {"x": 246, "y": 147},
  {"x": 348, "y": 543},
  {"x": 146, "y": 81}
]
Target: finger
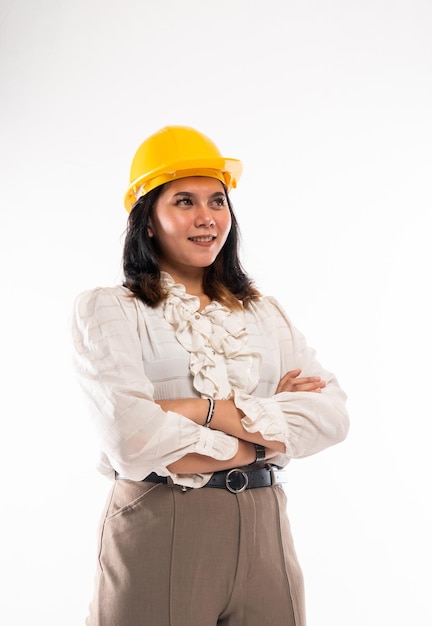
[
  {"x": 293, "y": 373},
  {"x": 306, "y": 380},
  {"x": 310, "y": 386},
  {"x": 307, "y": 383},
  {"x": 290, "y": 375}
]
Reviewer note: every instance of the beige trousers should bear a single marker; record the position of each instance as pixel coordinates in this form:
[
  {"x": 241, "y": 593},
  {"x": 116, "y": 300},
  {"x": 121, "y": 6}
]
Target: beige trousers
[{"x": 201, "y": 557}]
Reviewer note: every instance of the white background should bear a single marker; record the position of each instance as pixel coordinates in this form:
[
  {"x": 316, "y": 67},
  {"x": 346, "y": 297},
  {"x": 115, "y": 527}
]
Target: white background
[{"x": 328, "y": 104}]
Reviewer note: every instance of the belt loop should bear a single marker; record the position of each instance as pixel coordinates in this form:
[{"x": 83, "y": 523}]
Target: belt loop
[{"x": 270, "y": 467}]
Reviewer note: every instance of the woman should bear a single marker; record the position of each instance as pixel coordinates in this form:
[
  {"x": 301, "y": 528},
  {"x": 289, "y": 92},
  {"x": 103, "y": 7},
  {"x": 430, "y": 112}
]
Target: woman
[{"x": 201, "y": 391}]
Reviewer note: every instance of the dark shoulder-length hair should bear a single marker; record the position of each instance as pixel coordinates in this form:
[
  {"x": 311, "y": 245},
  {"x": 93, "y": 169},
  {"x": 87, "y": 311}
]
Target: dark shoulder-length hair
[{"x": 224, "y": 281}]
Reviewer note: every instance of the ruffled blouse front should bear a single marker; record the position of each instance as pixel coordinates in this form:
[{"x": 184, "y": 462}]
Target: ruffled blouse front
[{"x": 217, "y": 340}]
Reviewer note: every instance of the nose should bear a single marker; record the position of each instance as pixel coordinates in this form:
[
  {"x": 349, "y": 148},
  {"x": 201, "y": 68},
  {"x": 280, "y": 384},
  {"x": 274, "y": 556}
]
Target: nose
[{"x": 204, "y": 217}]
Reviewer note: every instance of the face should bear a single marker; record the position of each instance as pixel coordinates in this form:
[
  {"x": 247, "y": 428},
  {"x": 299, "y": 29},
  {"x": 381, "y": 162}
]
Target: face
[{"x": 191, "y": 221}]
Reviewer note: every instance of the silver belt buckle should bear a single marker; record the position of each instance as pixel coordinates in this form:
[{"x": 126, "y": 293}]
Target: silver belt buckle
[{"x": 239, "y": 474}]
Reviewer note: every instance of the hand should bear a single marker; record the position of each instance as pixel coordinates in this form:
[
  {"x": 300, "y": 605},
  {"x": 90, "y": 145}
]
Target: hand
[{"x": 292, "y": 382}]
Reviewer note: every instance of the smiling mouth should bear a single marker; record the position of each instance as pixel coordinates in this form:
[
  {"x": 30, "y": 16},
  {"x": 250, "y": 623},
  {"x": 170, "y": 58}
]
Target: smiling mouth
[{"x": 202, "y": 239}]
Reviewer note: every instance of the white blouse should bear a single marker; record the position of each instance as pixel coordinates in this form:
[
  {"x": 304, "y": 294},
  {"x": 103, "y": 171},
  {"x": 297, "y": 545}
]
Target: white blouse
[{"x": 128, "y": 355}]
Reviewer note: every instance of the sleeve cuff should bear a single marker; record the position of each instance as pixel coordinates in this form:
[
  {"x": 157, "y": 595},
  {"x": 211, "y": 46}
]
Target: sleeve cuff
[
  {"x": 211, "y": 443},
  {"x": 263, "y": 415}
]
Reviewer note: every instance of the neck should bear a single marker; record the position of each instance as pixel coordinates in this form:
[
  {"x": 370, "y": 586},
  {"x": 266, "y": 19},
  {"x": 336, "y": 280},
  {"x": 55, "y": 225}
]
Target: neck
[
  {"x": 191, "y": 278},
  {"x": 193, "y": 283},
  {"x": 196, "y": 289}
]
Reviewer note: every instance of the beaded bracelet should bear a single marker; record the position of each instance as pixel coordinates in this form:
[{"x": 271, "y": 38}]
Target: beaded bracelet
[{"x": 210, "y": 412}]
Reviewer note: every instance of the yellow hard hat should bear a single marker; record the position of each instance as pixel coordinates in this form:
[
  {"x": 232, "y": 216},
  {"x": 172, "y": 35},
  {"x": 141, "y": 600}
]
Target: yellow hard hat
[{"x": 177, "y": 152}]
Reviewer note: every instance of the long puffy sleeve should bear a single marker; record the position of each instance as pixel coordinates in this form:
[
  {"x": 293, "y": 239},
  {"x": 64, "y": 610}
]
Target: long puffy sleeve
[
  {"x": 136, "y": 436},
  {"x": 305, "y": 422}
]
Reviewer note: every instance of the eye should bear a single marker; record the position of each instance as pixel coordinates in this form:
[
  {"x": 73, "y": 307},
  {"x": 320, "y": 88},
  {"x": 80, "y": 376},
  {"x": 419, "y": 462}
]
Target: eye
[
  {"x": 183, "y": 201},
  {"x": 219, "y": 202}
]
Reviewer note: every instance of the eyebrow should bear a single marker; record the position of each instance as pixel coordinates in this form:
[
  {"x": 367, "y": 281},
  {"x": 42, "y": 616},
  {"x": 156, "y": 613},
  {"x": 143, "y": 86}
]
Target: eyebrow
[{"x": 189, "y": 194}]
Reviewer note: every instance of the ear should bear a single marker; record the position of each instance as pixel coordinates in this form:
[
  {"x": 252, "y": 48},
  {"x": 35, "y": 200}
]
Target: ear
[{"x": 150, "y": 232}]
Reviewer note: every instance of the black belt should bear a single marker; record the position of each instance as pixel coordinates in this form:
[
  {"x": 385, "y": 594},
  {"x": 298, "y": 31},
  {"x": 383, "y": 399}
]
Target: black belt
[{"x": 235, "y": 480}]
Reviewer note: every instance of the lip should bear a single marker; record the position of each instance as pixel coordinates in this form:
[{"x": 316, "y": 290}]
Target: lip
[{"x": 203, "y": 240}]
